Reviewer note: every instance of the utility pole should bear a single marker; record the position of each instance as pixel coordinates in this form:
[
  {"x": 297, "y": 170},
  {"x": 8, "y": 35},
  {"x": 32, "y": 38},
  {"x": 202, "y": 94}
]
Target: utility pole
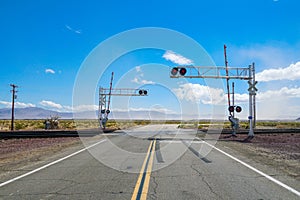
[{"x": 13, "y": 105}]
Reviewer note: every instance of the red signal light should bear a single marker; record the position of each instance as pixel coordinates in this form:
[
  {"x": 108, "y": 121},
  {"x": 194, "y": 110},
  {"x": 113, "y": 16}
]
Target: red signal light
[
  {"x": 238, "y": 109},
  {"x": 231, "y": 108},
  {"x": 174, "y": 71},
  {"x": 182, "y": 71}
]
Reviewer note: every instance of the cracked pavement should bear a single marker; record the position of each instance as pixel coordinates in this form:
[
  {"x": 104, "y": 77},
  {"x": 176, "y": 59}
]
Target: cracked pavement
[{"x": 189, "y": 176}]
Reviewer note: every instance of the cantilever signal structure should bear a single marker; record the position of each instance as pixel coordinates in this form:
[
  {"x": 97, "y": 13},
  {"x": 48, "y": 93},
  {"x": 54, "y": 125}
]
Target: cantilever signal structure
[
  {"x": 224, "y": 72},
  {"x": 105, "y": 99}
]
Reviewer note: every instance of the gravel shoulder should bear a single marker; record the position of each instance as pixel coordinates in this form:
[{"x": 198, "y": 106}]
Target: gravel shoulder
[
  {"x": 17, "y": 156},
  {"x": 277, "y": 155}
]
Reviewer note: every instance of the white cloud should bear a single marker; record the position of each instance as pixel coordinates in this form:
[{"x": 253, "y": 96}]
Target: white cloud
[
  {"x": 63, "y": 108},
  {"x": 196, "y": 93},
  {"x": 144, "y": 82},
  {"x": 51, "y": 104},
  {"x": 73, "y": 30},
  {"x": 49, "y": 71},
  {"x": 215, "y": 96},
  {"x": 135, "y": 80},
  {"x": 82, "y": 108},
  {"x": 241, "y": 98},
  {"x": 291, "y": 72},
  {"x": 138, "y": 68},
  {"x": 177, "y": 58},
  {"x": 155, "y": 109},
  {"x": 138, "y": 78},
  {"x": 17, "y": 104},
  {"x": 284, "y": 92}
]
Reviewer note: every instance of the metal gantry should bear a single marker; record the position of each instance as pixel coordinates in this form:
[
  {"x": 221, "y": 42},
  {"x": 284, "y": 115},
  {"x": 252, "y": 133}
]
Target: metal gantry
[
  {"x": 241, "y": 73},
  {"x": 218, "y": 72},
  {"x": 105, "y": 96}
]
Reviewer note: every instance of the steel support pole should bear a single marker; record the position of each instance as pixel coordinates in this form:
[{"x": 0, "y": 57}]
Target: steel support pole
[
  {"x": 254, "y": 101},
  {"x": 251, "y": 132}
]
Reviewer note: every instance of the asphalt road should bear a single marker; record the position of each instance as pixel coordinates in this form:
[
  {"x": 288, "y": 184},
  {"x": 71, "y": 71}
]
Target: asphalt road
[{"x": 153, "y": 162}]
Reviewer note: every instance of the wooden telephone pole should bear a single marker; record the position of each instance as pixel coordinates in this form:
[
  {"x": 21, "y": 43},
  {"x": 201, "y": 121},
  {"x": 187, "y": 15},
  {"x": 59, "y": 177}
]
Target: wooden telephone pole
[{"x": 13, "y": 105}]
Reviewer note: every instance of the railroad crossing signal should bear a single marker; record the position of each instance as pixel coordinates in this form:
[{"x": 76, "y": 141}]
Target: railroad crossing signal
[
  {"x": 237, "y": 109},
  {"x": 252, "y": 87},
  {"x": 224, "y": 72},
  {"x": 104, "y": 95},
  {"x": 182, "y": 71},
  {"x": 231, "y": 109},
  {"x": 143, "y": 92}
]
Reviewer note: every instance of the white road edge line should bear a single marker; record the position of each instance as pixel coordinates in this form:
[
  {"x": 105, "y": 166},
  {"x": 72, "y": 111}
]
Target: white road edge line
[
  {"x": 257, "y": 171},
  {"x": 48, "y": 165}
]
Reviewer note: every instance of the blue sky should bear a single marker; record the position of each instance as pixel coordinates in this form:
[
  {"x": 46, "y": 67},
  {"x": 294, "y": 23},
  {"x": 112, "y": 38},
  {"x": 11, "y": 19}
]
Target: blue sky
[{"x": 44, "y": 43}]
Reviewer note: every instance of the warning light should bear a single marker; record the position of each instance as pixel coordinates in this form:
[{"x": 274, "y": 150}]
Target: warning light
[
  {"x": 108, "y": 111},
  {"x": 231, "y": 108},
  {"x": 238, "y": 109},
  {"x": 143, "y": 92},
  {"x": 102, "y": 111},
  {"x": 174, "y": 71},
  {"x": 182, "y": 71}
]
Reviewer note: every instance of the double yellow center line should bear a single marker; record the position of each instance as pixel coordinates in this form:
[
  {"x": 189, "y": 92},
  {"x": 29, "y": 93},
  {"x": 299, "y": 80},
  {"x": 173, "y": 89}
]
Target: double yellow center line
[{"x": 142, "y": 184}]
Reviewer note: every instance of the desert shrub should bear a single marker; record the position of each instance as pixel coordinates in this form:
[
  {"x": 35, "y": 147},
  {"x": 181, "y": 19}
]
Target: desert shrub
[{"x": 20, "y": 125}]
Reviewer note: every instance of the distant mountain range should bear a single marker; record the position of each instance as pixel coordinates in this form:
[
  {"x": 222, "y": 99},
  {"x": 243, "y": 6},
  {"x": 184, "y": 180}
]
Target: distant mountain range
[
  {"x": 40, "y": 113},
  {"x": 32, "y": 113}
]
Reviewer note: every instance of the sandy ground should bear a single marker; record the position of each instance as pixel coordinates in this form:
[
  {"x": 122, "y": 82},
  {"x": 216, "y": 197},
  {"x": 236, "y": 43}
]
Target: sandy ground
[
  {"x": 17, "y": 156},
  {"x": 279, "y": 151}
]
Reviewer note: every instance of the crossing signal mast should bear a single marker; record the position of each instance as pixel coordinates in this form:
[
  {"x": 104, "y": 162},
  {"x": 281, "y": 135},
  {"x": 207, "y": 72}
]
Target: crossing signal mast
[
  {"x": 105, "y": 99},
  {"x": 225, "y": 72}
]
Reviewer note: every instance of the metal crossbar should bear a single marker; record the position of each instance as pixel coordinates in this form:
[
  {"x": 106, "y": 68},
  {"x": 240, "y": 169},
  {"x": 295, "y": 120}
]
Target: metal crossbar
[
  {"x": 218, "y": 72},
  {"x": 121, "y": 92}
]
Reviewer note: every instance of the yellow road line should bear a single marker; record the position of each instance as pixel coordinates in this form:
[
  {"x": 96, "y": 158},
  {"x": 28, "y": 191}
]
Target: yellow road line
[
  {"x": 142, "y": 184},
  {"x": 148, "y": 174}
]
